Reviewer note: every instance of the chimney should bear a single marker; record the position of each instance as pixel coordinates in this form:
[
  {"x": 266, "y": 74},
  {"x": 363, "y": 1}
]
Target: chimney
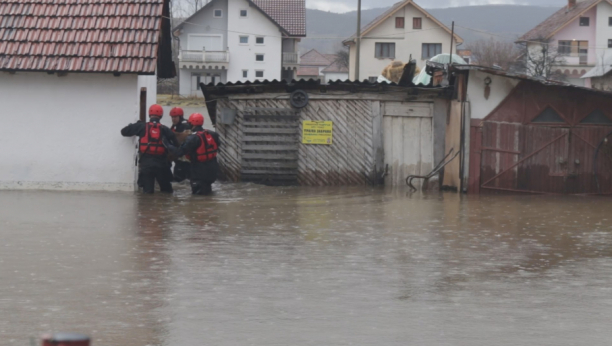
[{"x": 571, "y": 4}]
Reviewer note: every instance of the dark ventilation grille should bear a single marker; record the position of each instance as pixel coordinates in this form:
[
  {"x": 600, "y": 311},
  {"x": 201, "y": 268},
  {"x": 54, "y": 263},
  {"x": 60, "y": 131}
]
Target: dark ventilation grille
[
  {"x": 549, "y": 116},
  {"x": 597, "y": 117}
]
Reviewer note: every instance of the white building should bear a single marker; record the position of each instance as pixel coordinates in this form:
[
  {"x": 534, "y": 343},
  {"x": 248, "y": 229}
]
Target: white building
[
  {"x": 239, "y": 41},
  {"x": 324, "y": 67},
  {"x": 581, "y": 33},
  {"x": 67, "y": 90},
  {"x": 404, "y": 30}
]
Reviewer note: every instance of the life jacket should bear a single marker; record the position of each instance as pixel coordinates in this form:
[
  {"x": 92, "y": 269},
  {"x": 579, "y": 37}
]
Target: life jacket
[
  {"x": 207, "y": 149},
  {"x": 151, "y": 142}
]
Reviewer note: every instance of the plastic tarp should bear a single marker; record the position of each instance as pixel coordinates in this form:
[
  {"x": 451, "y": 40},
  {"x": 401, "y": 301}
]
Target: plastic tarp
[{"x": 423, "y": 78}]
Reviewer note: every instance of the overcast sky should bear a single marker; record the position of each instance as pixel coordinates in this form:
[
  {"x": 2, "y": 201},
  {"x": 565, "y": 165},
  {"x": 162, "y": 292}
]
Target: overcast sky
[{"x": 351, "y": 5}]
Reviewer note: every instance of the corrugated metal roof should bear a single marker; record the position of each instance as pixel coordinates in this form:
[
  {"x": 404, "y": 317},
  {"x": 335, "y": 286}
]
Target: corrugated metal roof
[{"x": 80, "y": 35}]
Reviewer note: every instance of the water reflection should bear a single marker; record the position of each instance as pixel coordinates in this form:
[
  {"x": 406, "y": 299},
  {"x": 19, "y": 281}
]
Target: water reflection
[{"x": 254, "y": 265}]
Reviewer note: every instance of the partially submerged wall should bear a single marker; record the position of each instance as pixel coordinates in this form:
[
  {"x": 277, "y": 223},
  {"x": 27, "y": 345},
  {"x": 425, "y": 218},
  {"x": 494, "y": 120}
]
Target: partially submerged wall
[{"x": 63, "y": 132}]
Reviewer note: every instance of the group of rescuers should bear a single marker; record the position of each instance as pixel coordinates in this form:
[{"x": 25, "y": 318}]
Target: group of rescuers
[{"x": 194, "y": 159}]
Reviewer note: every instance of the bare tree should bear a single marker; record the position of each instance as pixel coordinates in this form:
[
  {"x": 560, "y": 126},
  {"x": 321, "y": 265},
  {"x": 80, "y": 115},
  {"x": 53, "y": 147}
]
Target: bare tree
[
  {"x": 493, "y": 53},
  {"x": 539, "y": 59},
  {"x": 342, "y": 57},
  {"x": 185, "y": 8}
]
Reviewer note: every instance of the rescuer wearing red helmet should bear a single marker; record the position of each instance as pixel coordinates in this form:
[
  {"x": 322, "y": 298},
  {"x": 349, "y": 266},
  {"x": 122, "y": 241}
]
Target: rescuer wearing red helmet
[
  {"x": 201, "y": 147},
  {"x": 182, "y": 129},
  {"x": 153, "y": 162}
]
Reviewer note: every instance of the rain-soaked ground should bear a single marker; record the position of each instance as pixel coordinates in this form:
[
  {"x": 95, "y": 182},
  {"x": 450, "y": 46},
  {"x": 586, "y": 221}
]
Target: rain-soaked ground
[{"x": 255, "y": 265}]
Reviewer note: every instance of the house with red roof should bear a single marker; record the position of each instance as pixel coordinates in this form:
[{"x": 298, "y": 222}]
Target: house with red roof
[
  {"x": 72, "y": 74},
  {"x": 324, "y": 67},
  {"x": 403, "y": 31},
  {"x": 239, "y": 41},
  {"x": 581, "y": 34}
]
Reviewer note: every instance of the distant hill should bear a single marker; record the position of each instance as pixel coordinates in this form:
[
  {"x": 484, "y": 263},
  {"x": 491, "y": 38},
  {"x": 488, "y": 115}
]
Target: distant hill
[{"x": 509, "y": 21}]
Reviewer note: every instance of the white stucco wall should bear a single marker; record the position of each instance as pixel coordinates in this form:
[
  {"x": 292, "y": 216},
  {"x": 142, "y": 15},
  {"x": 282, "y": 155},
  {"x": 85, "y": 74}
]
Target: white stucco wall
[
  {"x": 65, "y": 131},
  {"x": 149, "y": 82},
  {"x": 336, "y": 76},
  {"x": 500, "y": 88},
  {"x": 242, "y": 57},
  {"x": 407, "y": 41},
  {"x": 573, "y": 31},
  {"x": 603, "y": 32}
]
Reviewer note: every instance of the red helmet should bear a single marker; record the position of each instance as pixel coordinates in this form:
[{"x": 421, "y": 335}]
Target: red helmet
[
  {"x": 156, "y": 111},
  {"x": 176, "y": 112},
  {"x": 196, "y": 119}
]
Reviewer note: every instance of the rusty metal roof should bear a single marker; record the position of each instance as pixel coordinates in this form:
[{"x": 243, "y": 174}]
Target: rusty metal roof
[{"x": 80, "y": 35}]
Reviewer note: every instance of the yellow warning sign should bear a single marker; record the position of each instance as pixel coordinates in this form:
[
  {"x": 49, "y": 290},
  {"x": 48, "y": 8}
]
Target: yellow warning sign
[{"x": 317, "y": 132}]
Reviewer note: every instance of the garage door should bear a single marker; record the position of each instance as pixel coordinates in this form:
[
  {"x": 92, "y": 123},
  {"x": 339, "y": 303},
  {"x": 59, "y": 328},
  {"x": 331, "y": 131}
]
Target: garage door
[{"x": 408, "y": 140}]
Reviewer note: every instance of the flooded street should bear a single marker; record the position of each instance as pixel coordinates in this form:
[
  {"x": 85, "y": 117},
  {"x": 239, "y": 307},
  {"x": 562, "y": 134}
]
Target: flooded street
[{"x": 256, "y": 265}]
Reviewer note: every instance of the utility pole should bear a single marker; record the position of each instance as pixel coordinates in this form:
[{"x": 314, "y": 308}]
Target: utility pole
[{"x": 358, "y": 43}]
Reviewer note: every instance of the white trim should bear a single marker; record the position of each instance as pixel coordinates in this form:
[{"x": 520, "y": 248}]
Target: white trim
[
  {"x": 202, "y": 35},
  {"x": 215, "y": 13}
]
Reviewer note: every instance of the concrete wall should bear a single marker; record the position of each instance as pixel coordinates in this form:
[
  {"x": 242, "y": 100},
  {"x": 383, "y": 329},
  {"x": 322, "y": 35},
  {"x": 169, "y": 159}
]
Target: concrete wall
[
  {"x": 500, "y": 88},
  {"x": 603, "y": 32},
  {"x": 242, "y": 57},
  {"x": 407, "y": 41},
  {"x": 149, "y": 82},
  {"x": 65, "y": 131}
]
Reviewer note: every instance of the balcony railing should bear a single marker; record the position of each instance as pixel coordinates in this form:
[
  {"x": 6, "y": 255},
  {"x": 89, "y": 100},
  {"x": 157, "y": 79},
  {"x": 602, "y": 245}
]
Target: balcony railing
[
  {"x": 291, "y": 58},
  {"x": 575, "y": 58},
  {"x": 204, "y": 56}
]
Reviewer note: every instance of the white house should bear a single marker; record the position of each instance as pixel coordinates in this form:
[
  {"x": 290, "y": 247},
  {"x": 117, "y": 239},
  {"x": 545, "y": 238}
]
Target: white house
[
  {"x": 580, "y": 32},
  {"x": 72, "y": 74},
  {"x": 240, "y": 40},
  {"x": 404, "y": 30}
]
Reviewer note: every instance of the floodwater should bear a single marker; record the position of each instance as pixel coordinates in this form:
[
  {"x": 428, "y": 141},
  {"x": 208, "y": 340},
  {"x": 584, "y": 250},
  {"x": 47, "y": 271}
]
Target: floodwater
[{"x": 256, "y": 265}]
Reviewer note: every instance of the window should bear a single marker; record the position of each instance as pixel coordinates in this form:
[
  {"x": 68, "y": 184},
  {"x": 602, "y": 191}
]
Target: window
[
  {"x": 597, "y": 117},
  {"x": 218, "y": 13},
  {"x": 565, "y": 47},
  {"x": 259, "y": 74},
  {"x": 245, "y": 73},
  {"x": 259, "y": 57},
  {"x": 548, "y": 116},
  {"x": 429, "y": 50},
  {"x": 244, "y": 40},
  {"x": 373, "y": 79},
  {"x": 585, "y": 21},
  {"x": 385, "y": 50},
  {"x": 399, "y": 22},
  {"x": 259, "y": 40},
  {"x": 417, "y": 23},
  {"x": 609, "y": 43},
  {"x": 243, "y": 13},
  {"x": 198, "y": 81},
  {"x": 609, "y": 21}
]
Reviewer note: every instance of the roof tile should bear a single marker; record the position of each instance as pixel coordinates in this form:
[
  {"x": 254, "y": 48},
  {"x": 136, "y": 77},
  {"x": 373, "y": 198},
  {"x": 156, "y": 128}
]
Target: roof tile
[
  {"x": 80, "y": 35},
  {"x": 557, "y": 20}
]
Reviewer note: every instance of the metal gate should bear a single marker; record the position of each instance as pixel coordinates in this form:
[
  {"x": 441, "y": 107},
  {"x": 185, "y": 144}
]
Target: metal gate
[{"x": 543, "y": 159}]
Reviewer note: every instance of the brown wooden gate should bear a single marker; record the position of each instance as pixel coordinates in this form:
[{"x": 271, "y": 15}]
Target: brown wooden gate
[{"x": 542, "y": 159}]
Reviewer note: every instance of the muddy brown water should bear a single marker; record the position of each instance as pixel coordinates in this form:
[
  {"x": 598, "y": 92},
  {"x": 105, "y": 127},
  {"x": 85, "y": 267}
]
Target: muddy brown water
[{"x": 255, "y": 265}]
